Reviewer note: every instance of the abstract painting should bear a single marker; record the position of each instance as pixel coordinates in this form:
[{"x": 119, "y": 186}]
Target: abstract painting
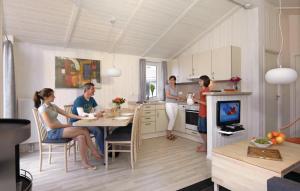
[{"x": 75, "y": 72}]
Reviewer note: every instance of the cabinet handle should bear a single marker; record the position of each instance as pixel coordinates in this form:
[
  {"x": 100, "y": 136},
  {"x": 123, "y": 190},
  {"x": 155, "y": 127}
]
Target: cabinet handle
[
  {"x": 157, "y": 114},
  {"x": 147, "y": 118},
  {"x": 147, "y": 123}
]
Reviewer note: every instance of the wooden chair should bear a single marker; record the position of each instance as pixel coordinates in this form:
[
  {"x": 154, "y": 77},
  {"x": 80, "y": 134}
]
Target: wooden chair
[
  {"x": 43, "y": 140},
  {"x": 122, "y": 139},
  {"x": 68, "y": 109}
]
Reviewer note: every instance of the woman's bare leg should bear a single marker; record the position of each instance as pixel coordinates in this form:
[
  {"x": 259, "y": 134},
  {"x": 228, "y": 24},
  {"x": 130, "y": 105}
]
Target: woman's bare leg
[
  {"x": 83, "y": 151},
  {"x": 71, "y": 132}
]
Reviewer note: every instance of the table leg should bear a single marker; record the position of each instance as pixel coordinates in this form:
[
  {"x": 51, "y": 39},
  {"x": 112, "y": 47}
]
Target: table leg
[{"x": 105, "y": 135}]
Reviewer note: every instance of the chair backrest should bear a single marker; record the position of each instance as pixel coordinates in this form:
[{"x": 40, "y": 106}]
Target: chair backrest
[
  {"x": 68, "y": 109},
  {"x": 135, "y": 123},
  {"x": 42, "y": 132}
]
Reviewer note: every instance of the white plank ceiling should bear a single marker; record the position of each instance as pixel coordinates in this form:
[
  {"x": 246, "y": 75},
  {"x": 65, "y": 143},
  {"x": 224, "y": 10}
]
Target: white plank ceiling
[{"x": 151, "y": 28}]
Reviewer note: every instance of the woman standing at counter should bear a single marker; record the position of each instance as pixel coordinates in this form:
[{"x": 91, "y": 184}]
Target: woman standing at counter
[
  {"x": 171, "y": 105},
  {"x": 204, "y": 82}
]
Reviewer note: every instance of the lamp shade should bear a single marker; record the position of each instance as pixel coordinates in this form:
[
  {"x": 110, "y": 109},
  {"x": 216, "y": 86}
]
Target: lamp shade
[
  {"x": 114, "y": 72},
  {"x": 281, "y": 76}
]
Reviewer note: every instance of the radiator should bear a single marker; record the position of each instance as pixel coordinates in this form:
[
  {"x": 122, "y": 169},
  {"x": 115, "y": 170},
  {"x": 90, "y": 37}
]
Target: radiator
[{"x": 25, "y": 106}]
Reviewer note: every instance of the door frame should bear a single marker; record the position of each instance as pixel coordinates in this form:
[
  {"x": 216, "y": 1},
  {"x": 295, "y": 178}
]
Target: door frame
[{"x": 293, "y": 94}]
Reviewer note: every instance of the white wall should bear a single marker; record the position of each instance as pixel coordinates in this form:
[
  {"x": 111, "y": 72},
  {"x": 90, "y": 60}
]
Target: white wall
[
  {"x": 35, "y": 69},
  {"x": 240, "y": 29},
  {"x": 291, "y": 44},
  {"x": 1, "y": 60}
]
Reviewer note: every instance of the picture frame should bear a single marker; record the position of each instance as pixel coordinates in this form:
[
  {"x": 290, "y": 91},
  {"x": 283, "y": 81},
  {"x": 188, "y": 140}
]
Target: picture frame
[{"x": 75, "y": 72}]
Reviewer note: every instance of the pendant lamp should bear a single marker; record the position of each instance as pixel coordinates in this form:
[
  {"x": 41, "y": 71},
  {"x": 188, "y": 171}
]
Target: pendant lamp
[
  {"x": 281, "y": 75},
  {"x": 113, "y": 71}
]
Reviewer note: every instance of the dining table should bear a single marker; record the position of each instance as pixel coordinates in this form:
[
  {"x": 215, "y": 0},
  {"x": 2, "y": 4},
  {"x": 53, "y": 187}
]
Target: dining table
[{"x": 109, "y": 120}]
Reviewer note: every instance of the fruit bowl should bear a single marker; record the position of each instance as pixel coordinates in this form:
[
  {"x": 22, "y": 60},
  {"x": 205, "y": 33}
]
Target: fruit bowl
[{"x": 261, "y": 143}]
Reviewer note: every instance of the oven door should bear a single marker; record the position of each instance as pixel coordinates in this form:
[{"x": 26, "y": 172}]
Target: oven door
[{"x": 191, "y": 119}]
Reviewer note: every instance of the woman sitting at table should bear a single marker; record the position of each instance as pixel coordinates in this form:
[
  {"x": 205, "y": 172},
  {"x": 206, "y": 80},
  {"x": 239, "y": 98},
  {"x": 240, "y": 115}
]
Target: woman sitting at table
[{"x": 56, "y": 130}]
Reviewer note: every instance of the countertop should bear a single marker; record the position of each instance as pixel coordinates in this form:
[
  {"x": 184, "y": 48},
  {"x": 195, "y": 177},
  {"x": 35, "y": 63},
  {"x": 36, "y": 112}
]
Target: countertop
[{"x": 229, "y": 93}]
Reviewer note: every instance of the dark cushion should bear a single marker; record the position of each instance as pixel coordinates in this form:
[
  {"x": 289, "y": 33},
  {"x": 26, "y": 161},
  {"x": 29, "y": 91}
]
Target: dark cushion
[
  {"x": 282, "y": 184},
  {"x": 62, "y": 140},
  {"x": 119, "y": 137},
  {"x": 126, "y": 129}
]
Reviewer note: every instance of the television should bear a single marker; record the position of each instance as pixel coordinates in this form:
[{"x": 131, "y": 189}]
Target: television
[{"x": 228, "y": 112}]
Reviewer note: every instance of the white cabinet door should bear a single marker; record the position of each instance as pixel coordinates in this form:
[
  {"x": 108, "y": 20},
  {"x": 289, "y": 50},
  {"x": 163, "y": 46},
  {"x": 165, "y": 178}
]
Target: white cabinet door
[
  {"x": 202, "y": 63},
  {"x": 221, "y": 63},
  {"x": 226, "y": 62},
  {"x": 148, "y": 127},
  {"x": 173, "y": 68},
  {"x": 180, "y": 120},
  {"x": 185, "y": 67},
  {"x": 161, "y": 120}
]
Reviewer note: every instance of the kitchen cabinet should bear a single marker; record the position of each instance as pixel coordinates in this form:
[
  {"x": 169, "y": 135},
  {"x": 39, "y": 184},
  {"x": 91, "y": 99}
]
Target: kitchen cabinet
[
  {"x": 161, "y": 120},
  {"x": 154, "y": 120},
  {"x": 225, "y": 63},
  {"x": 147, "y": 120},
  {"x": 180, "y": 119},
  {"x": 173, "y": 68},
  {"x": 185, "y": 67},
  {"x": 202, "y": 64},
  {"x": 218, "y": 64}
]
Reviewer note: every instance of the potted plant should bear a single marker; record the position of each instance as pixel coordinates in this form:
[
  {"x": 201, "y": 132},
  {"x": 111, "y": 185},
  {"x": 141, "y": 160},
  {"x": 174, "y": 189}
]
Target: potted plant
[{"x": 152, "y": 88}]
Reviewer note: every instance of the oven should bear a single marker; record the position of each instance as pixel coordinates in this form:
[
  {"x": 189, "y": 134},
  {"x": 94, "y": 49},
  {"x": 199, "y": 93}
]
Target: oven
[{"x": 191, "y": 117}]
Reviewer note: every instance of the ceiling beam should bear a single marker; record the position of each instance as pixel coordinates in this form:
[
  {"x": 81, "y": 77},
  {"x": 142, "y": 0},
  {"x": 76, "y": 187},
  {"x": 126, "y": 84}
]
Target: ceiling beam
[
  {"x": 72, "y": 22},
  {"x": 186, "y": 10},
  {"x": 123, "y": 32},
  {"x": 223, "y": 18}
]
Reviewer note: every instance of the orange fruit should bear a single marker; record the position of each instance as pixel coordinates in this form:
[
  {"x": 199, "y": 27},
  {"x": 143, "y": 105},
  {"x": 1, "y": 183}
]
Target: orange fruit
[
  {"x": 279, "y": 140},
  {"x": 282, "y": 135},
  {"x": 275, "y": 133},
  {"x": 269, "y": 135},
  {"x": 273, "y": 140}
]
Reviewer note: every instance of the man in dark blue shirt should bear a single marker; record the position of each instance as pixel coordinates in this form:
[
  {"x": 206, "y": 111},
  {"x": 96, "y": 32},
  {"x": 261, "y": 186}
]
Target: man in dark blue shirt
[{"x": 85, "y": 105}]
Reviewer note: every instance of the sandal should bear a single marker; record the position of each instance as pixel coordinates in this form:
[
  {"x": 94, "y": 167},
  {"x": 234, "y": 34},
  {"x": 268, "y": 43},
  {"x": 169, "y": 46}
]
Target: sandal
[
  {"x": 90, "y": 167},
  {"x": 172, "y": 137}
]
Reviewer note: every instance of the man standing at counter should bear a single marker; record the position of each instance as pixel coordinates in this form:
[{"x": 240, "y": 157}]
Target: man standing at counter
[
  {"x": 204, "y": 82},
  {"x": 85, "y": 105}
]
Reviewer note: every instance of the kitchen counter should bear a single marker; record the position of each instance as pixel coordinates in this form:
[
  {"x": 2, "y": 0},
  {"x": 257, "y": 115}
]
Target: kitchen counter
[{"x": 229, "y": 93}]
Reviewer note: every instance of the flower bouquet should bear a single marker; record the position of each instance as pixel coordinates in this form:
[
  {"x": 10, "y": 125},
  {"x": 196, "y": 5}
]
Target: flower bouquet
[
  {"x": 118, "y": 101},
  {"x": 235, "y": 80}
]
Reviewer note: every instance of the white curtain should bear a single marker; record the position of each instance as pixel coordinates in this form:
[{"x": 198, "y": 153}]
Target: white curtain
[
  {"x": 164, "y": 79},
  {"x": 9, "y": 86},
  {"x": 142, "y": 76}
]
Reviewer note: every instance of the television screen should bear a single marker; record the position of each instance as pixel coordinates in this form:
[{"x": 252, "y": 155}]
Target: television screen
[{"x": 228, "y": 112}]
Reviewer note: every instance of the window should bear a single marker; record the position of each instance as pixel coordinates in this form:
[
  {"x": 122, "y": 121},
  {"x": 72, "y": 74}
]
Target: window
[
  {"x": 151, "y": 80},
  {"x": 154, "y": 84}
]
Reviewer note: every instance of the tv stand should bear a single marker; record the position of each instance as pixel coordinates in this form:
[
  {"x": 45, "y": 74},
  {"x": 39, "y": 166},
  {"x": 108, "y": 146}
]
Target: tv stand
[{"x": 231, "y": 129}]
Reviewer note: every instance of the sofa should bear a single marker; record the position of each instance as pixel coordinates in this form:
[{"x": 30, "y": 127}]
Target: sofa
[{"x": 282, "y": 184}]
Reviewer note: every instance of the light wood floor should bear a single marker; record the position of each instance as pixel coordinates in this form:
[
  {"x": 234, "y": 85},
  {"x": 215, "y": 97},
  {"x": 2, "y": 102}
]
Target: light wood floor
[{"x": 162, "y": 165}]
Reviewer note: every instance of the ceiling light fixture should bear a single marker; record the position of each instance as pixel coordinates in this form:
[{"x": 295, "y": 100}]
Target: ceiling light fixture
[
  {"x": 113, "y": 72},
  {"x": 281, "y": 75}
]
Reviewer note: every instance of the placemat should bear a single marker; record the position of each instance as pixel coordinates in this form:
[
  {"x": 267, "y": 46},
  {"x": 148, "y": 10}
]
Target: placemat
[{"x": 270, "y": 154}]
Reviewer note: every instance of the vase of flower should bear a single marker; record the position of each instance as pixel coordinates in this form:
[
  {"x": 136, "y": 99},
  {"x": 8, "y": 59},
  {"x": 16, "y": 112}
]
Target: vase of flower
[
  {"x": 118, "y": 101},
  {"x": 235, "y": 81}
]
